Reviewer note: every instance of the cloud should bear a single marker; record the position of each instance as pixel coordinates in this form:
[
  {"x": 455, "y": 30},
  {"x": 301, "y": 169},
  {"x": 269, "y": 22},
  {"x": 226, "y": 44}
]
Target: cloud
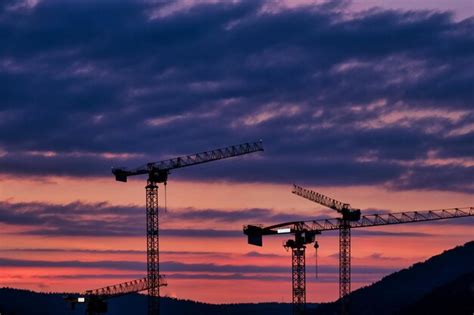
[
  {"x": 380, "y": 256},
  {"x": 322, "y": 278},
  {"x": 73, "y": 219},
  {"x": 226, "y": 255},
  {"x": 231, "y": 216},
  {"x": 92, "y": 276},
  {"x": 108, "y": 264},
  {"x": 74, "y": 250},
  {"x": 257, "y": 254},
  {"x": 458, "y": 177},
  {"x": 105, "y": 220},
  {"x": 129, "y": 84},
  {"x": 179, "y": 267}
]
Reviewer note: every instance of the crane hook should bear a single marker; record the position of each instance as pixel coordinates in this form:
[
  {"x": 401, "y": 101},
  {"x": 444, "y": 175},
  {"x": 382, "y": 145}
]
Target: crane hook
[
  {"x": 166, "y": 198},
  {"x": 316, "y": 246}
]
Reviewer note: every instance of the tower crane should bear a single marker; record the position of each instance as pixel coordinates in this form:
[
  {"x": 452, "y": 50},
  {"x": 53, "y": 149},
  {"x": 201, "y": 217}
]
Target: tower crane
[
  {"x": 305, "y": 232},
  {"x": 96, "y": 300},
  {"x": 158, "y": 173},
  {"x": 348, "y": 214}
]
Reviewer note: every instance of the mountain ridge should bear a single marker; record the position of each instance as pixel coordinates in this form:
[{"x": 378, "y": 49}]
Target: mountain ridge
[{"x": 408, "y": 285}]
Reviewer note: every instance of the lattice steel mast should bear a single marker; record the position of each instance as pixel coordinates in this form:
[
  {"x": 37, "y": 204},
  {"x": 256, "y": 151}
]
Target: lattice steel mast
[
  {"x": 344, "y": 263},
  {"x": 298, "y": 278},
  {"x": 158, "y": 173},
  {"x": 152, "y": 245},
  {"x": 309, "y": 229},
  {"x": 298, "y": 265}
]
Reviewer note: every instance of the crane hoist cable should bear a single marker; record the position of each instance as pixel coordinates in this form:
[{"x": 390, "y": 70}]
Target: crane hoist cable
[
  {"x": 316, "y": 246},
  {"x": 166, "y": 198}
]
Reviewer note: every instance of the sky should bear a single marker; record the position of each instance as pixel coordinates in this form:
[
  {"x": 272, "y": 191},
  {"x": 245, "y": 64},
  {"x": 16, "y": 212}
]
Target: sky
[{"x": 369, "y": 102}]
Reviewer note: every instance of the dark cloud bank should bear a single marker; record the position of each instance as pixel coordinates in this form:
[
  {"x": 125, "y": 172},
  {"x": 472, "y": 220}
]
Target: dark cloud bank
[
  {"x": 323, "y": 89},
  {"x": 173, "y": 266},
  {"x": 105, "y": 220}
]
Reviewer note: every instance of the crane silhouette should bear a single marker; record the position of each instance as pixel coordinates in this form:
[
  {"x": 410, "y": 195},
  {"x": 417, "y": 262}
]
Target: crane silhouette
[
  {"x": 305, "y": 232},
  {"x": 96, "y": 300},
  {"x": 158, "y": 173},
  {"x": 348, "y": 214}
]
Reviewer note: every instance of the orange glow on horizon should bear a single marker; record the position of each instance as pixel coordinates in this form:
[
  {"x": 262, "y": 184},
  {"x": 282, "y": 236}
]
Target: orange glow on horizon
[{"x": 385, "y": 251}]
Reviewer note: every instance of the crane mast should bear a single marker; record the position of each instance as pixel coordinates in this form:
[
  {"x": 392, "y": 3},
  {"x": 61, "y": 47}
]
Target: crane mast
[
  {"x": 152, "y": 246},
  {"x": 298, "y": 265},
  {"x": 305, "y": 233},
  {"x": 158, "y": 173}
]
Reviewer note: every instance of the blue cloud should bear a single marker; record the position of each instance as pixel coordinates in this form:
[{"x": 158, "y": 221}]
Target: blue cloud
[{"x": 84, "y": 78}]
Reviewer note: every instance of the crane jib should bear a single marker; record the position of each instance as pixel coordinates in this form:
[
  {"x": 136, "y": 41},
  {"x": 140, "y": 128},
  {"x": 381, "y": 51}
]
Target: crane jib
[
  {"x": 332, "y": 224},
  {"x": 158, "y": 169}
]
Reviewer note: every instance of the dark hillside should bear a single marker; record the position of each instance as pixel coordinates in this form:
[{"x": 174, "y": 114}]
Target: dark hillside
[
  {"x": 400, "y": 289},
  {"x": 456, "y": 297},
  {"x": 22, "y": 302}
]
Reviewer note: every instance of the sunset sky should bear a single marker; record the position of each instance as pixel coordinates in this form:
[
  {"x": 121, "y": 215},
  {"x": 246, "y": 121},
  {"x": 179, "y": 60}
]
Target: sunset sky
[{"x": 369, "y": 102}]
